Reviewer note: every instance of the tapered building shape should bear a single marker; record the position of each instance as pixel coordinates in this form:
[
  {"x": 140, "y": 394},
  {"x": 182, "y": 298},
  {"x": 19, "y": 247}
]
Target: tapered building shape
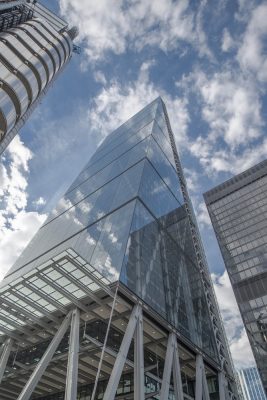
[
  {"x": 238, "y": 211},
  {"x": 35, "y": 45},
  {"x": 112, "y": 298}
]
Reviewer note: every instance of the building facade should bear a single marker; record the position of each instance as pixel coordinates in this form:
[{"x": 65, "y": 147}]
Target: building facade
[
  {"x": 35, "y": 45},
  {"x": 251, "y": 385},
  {"x": 238, "y": 211},
  {"x": 112, "y": 299}
]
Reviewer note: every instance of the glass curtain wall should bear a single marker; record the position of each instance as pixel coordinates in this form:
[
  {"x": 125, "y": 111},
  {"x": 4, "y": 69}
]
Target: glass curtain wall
[{"x": 124, "y": 215}]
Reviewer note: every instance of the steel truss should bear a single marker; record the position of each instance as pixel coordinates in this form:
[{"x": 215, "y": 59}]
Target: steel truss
[
  {"x": 134, "y": 332},
  {"x": 93, "y": 335}
]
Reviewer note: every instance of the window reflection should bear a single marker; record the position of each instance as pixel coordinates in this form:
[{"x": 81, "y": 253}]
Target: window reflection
[{"x": 157, "y": 268}]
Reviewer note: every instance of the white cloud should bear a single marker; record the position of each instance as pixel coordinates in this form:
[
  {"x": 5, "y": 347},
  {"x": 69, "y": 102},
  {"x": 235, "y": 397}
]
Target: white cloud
[
  {"x": 100, "y": 77},
  {"x": 227, "y": 108},
  {"x": 192, "y": 180},
  {"x": 17, "y": 226},
  {"x": 226, "y": 161},
  {"x": 239, "y": 344},
  {"x": 202, "y": 44},
  {"x": 252, "y": 55},
  {"x": 115, "y": 25},
  {"x": 39, "y": 202},
  {"x": 234, "y": 137},
  {"x": 203, "y": 215},
  {"x": 14, "y": 238},
  {"x": 227, "y": 41},
  {"x": 116, "y": 103}
]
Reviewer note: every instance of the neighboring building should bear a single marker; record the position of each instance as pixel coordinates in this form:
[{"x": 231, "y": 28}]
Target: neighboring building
[
  {"x": 119, "y": 257},
  {"x": 35, "y": 45},
  {"x": 238, "y": 211},
  {"x": 251, "y": 385}
]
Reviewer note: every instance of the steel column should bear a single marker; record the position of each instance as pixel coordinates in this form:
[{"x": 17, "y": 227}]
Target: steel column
[
  {"x": 43, "y": 363},
  {"x": 4, "y": 356},
  {"x": 164, "y": 393},
  {"x": 73, "y": 358},
  {"x": 199, "y": 378},
  {"x": 177, "y": 378},
  {"x": 172, "y": 363},
  {"x": 122, "y": 355},
  {"x": 201, "y": 389},
  {"x": 206, "y": 394},
  {"x": 221, "y": 379},
  {"x": 139, "y": 369}
]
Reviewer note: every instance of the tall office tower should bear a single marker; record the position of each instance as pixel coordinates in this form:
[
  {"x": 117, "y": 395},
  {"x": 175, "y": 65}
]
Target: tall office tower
[
  {"x": 251, "y": 384},
  {"x": 35, "y": 45},
  {"x": 238, "y": 211},
  {"x": 110, "y": 299}
]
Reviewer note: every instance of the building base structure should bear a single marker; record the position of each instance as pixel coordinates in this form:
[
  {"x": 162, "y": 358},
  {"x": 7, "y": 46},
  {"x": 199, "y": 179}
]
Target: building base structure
[
  {"x": 112, "y": 298},
  {"x": 65, "y": 355}
]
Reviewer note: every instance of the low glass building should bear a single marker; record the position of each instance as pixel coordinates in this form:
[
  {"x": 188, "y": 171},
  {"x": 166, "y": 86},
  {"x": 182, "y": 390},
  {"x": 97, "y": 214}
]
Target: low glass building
[{"x": 118, "y": 257}]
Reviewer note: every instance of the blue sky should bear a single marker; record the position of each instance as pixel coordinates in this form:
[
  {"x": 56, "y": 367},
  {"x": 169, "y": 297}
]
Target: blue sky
[{"x": 208, "y": 60}]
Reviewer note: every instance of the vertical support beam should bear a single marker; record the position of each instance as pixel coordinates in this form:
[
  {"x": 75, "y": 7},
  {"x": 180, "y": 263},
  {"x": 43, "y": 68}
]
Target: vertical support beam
[
  {"x": 222, "y": 388},
  {"x": 177, "y": 378},
  {"x": 73, "y": 358},
  {"x": 122, "y": 355},
  {"x": 201, "y": 390},
  {"x": 165, "y": 387},
  {"x": 43, "y": 363},
  {"x": 206, "y": 394},
  {"x": 139, "y": 369},
  {"x": 172, "y": 362},
  {"x": 199, "y": 377},
  {"x": 4, "y": 356}
]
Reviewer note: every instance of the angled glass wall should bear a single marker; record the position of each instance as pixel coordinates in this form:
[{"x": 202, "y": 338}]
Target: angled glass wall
[{"x": 125, "y": 216}]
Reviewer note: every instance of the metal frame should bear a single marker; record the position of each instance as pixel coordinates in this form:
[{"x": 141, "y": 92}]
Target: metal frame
[
  {"x": 172, "y": 362},
  {"x": 77, "y": 369},
  {"x": 41, "y": 367},
  {"x": 202, "y": 391},
  {"x": 53, "y": 373},
  {"x": 122, "y": 356},
  {"x": 73, "y": 358},
  {"x": 7, "y": 346}
]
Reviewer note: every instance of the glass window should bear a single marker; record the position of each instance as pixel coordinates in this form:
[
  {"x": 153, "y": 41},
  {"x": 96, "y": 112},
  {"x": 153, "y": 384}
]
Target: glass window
[
  {"x": 155, "y": 194},
  {"x": 165, "y": 169}
]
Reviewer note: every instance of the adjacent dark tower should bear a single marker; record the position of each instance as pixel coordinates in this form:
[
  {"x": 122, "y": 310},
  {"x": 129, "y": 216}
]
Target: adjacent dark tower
[
  {"x": 35, "y": 45},
  {"x": 238, "y": 211},
  {"x": 112, "y": 298}
]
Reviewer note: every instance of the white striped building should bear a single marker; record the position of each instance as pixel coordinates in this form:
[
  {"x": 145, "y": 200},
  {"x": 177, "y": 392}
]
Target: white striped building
[{"x": 35, "y": 45}]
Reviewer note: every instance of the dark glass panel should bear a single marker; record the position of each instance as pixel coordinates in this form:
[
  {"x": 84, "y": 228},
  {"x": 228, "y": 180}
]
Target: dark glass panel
[
  {"x": 165, "y": 169},
  {"x": 155, "y": 194},
  {"x": 145, "y": 116},
  {"x": 163, "y": 142},
  {"x": 157, "y": 269},
  {"x": 94, "y": 207},
  {"x": 101, "y": 244},
  {"x": 109, "y": 172},
  {"x": 104, "y": 161}
]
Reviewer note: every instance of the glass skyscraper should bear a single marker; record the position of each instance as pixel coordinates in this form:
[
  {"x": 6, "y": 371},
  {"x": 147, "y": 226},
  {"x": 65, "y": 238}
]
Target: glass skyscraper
[
  {"x": 35, "y": 45},
  {"x": 118, "y": 257},
  {"x": 251, "y": 384},
  {"x": 238, "y": 211}
]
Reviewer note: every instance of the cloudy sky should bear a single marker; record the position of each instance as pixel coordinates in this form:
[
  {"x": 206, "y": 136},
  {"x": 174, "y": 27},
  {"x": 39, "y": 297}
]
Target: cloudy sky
[{"x": 207, "y": 59}]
